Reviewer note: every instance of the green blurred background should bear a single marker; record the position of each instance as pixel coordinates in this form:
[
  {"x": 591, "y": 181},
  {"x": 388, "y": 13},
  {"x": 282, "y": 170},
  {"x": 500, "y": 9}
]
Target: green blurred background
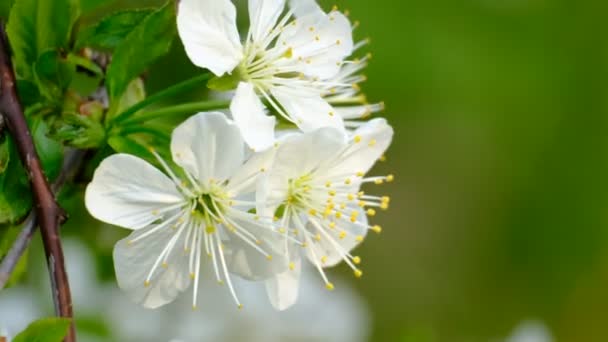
[{"x": 500, "y": 155}]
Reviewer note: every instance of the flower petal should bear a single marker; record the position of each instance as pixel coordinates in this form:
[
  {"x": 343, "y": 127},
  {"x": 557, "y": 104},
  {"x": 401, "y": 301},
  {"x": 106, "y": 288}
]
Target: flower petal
[
  {"x": 300, "y": 154},
  {"x": 368, "y": 143},
  {"x": 208, "y": 146},
  {"x": 127, "y": 191},
  {"x": 248, "y": 262},
  {"x": 249, "y": 115},
  {"x": 245, "y": 179},
  {"x": 302, "y": 8},
  {"x": 319, "y": 42},
  {"x": 284, "y": 287},
  {"x": 308, "y": 111},
  {"x": 209, "y": 33},
  {"x": 263, "y": 16},
  {"x": 332, "y": 251},
  {"x": 133, "y": 263}
]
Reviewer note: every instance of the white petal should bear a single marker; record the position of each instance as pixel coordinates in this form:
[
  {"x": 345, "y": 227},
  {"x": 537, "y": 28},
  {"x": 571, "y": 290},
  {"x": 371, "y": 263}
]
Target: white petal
[
  {"x": 374, "y": 138},
  {"x": 283, "y": 289},
  {"x": 319, "y": 42},
  {"x": 209, "y": 146},
  {"x": 305, "y": 7},
  {"x": 353, "y": 112},
  {"x": 250, "y": 116},
  {"x": 127, "y": 191},
  {"x": 133, "y": 262},
  {"x": 246, "y": 177},
  {"x": 308, "y": 111},
  {"x": 297, "y": 155},
  {"x": 209, "y": 33},
  {"x": 300, "y": 154},
  {"x": 328, "y": 249},
  {"x": 249, "y": 263},
  {"x": 263, "y": 16}
]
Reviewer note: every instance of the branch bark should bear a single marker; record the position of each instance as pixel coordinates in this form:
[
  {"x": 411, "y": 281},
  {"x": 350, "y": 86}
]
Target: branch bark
[
  {"x": 49, "y": 214},
  {"x": 71, "y": 165}
]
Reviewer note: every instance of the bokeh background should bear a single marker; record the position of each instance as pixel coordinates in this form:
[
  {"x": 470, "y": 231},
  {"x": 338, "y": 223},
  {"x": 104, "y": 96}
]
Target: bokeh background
[{"x": 500, "y": 155}]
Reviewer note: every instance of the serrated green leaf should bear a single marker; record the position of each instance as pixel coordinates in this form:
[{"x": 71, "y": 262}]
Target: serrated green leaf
[
  {"x": 110, "y": 31},
  {"x": 148, "y": 41},
  {"x": 53, "y": 74},
  {"x": 35, "y": 26},
  {"x": 45, "y": 330}
]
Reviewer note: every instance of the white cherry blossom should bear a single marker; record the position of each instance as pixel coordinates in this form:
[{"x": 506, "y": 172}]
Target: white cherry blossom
[
  {"x": 289, "y": 58},
  {"x": 178, "y": 222},
  {"x": 347, "y": 99},
  {"x": 313, "y": 190}
]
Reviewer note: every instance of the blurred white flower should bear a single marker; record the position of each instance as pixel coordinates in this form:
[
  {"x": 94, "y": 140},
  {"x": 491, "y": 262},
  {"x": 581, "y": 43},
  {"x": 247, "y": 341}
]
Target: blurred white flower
[
  {"x": 530, "y": 331},
  {"x": 18, "y": 308},
  {"x": 288, "y": 59},
  {"x": 313, "y": 190},
  {"x": 344, "y": 318},
  {"x": 175, "y": 221}
]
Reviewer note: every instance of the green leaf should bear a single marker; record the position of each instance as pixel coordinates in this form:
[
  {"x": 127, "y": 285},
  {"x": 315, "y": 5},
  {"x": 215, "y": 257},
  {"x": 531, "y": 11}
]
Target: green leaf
[
  {"x": 80, "y": 131},
  {"x": 140, "y": 147},
  {"x": 89, "y": 5},
  {"x": 35, "y": 26},
  {"x": 4, "y": 156},
  {"x": 28, "y": 92},
  {"x": 53, "y": 75},
  {"x": 147, "y": 42},
  {"x": 134, "y": 93},
  {"x": 130, "y": 146},
  {"x": 45, "y": 330},
  {"x": 15, "y": 197},
  {"x": 110, "y": 31},
  {"x": 49, "y": 150},
  {"x": 226, "y": 82}
]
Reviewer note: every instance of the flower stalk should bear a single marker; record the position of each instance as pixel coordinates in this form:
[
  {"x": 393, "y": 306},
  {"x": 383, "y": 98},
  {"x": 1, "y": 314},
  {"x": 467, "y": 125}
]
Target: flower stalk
[{"x": 169, "y": 92}]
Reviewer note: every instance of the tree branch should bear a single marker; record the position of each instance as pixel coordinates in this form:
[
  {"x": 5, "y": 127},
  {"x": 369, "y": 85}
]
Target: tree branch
[
  {"x": 49, "y": 214},
  {"x": 71, "y": 165}
]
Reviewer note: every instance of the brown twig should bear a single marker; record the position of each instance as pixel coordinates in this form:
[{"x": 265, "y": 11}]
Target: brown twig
[
  {"x": 71, "y": 164},
  {"x": 50, "y": 215}
]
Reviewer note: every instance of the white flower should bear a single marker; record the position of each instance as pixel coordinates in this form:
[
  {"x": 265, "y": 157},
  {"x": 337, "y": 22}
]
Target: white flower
[
  {"x": 343, "y": 319},
  {"x": 530, "y": 331},
  {"x": 176, "y": 221},
  {"x": 288, "y": 59},
  {"x": 313, "y": 189},
  {"x": 346, "y": 96}
]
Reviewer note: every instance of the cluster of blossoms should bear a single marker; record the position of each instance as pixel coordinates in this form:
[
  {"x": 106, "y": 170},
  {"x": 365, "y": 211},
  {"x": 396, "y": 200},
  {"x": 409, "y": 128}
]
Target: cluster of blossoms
[{"x": 251, "y": 198}]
